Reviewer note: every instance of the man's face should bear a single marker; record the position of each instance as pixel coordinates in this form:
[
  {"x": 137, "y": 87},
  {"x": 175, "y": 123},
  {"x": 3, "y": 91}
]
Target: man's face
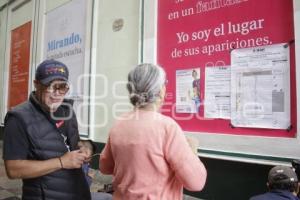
[{"x": 53, "y": 95}]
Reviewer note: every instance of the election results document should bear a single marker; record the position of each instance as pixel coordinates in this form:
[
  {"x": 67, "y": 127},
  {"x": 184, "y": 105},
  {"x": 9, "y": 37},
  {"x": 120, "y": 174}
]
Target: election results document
[{"x": 260, "y": 87}]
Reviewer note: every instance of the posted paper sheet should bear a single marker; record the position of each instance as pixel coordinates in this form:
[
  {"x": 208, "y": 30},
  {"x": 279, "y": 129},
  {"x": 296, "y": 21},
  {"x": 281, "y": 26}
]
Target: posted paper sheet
[
  {"x": 188, "y": 90},
  {"x": 260, "y": 87},
  {"x": 217, "y": 92}
]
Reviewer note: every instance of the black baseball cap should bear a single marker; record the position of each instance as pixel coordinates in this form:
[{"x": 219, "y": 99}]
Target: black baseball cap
[
  {"x": 50, "y": 70},
  {"x": 282, "y": 174}
]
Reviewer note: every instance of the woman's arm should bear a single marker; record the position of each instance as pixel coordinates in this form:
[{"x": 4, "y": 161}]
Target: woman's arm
[
  {"x": 106, "y": 161},
  {"x": 188, "y": 168}
]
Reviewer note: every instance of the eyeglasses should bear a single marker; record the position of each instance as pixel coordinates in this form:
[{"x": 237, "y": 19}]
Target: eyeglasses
[{"x": 62, "y": 88}]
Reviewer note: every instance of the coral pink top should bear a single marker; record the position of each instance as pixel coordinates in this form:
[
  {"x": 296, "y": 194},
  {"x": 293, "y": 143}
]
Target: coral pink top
[{"x": 150, "y": 159}]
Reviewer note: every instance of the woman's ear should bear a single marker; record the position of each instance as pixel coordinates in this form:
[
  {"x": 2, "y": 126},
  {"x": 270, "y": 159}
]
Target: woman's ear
[
  {"x": 162, "y": 92},
  {"x": 160, "y": 97}
]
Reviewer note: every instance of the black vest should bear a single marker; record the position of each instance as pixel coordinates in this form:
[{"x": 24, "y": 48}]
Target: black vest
[{"x": 46, "y": 142}]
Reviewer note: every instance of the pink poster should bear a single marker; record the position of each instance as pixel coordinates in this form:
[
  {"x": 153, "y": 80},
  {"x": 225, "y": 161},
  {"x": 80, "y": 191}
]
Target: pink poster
[{"x": 202, "y": 33}]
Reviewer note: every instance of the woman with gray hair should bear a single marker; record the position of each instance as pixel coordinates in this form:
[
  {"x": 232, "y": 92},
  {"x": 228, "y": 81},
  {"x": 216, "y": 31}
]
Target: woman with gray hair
[
  {"x": 146, "y": 86},
  {"x": 146, "y": 151}
]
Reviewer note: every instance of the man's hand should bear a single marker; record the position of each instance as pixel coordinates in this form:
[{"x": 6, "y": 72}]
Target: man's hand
[{"x": 73, "y": 159}]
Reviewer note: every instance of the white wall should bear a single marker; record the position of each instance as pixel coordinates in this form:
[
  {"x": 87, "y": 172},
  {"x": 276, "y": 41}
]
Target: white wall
[
  {"x": 2, "y": 2},
  {"x": 3, "y": 19},
  {"x": 50, "y": 5},
  {"x": 116, "y": 53}
]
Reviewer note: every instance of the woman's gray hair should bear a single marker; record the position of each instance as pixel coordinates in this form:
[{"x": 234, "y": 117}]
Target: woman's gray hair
[{"x": 144, "y": 84}]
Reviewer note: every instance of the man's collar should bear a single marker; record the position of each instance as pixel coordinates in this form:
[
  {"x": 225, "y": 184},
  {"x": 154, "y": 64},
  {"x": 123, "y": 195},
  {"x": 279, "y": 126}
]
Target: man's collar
[
  {"x": 65, "y": 108},
  {"x": 34, "y": 100}
]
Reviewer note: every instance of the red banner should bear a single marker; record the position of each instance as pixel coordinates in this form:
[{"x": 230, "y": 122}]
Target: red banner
[
  {"x": 19, "y": 65},
  {"x": 202, "y": 33}
]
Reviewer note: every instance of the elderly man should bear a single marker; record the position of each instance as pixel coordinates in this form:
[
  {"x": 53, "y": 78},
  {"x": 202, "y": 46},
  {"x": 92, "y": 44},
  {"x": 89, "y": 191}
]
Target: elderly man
[
  {"x": 282, "y": 184},
  {"x": 41, "y": 137}
]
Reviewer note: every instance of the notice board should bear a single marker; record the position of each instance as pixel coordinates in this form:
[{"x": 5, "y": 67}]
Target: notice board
[
  {"x": 195, "y": 34},
  {"x": 19, "y": 65}
]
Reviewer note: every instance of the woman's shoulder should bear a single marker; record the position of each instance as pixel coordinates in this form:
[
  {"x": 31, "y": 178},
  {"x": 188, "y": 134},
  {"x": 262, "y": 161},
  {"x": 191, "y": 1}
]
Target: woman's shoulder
[
  {"x": 148, "y": 117},
  {"x": 161, "y": 117},
  {"x": 168, "y": 121}
]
